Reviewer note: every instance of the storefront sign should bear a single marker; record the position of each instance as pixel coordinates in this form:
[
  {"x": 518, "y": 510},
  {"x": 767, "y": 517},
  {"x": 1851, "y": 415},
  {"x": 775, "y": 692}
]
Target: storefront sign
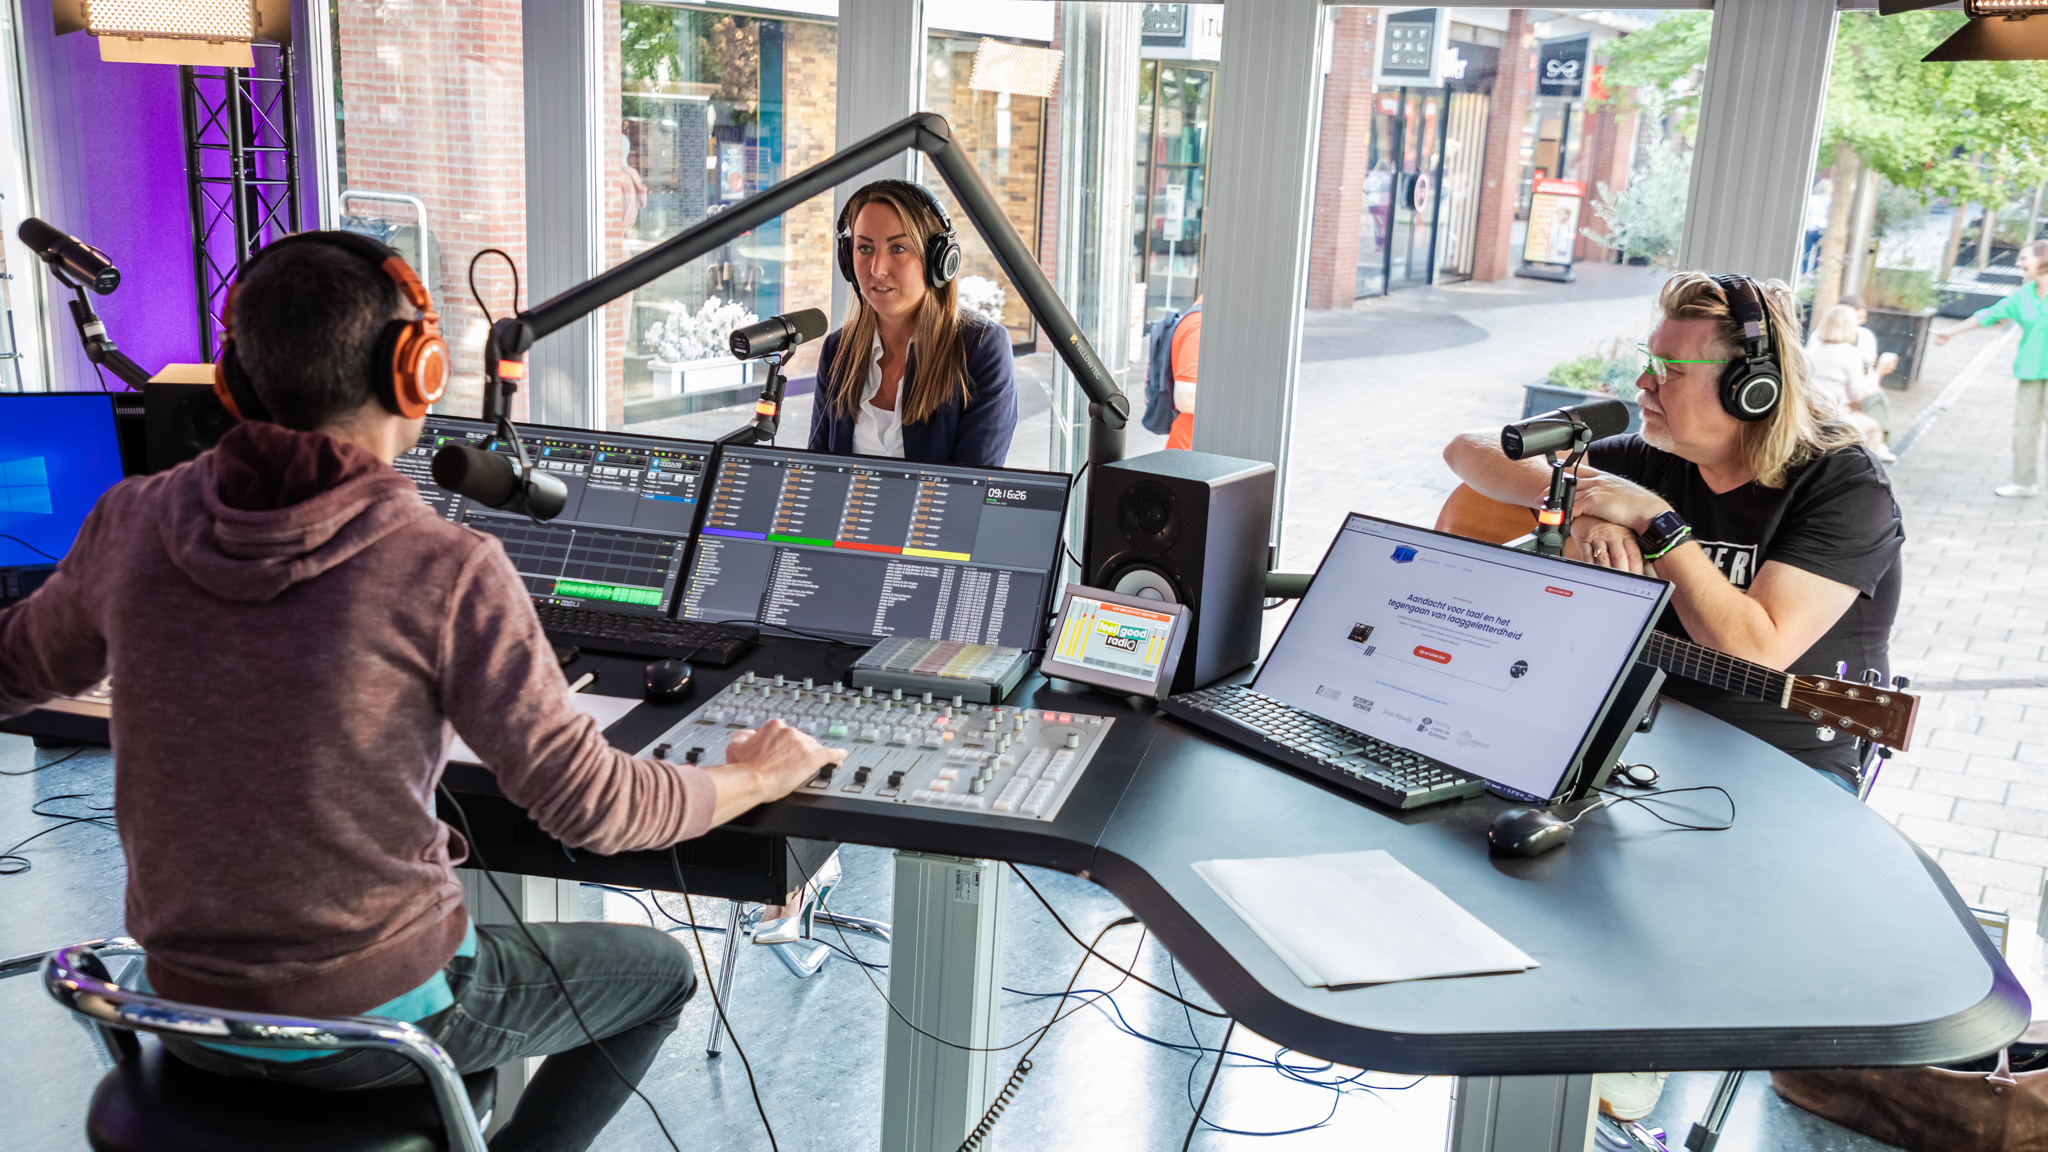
[
  {"x": 1165, "y": 25},
  {"x": 1411, "y": 48},
  {"x": 1561, "y": 66},
  {"x": 1554, "y": 222}
]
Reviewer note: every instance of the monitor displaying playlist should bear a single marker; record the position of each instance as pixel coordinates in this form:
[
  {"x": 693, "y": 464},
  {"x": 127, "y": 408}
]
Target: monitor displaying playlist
[{"x": 857, "y": 547}]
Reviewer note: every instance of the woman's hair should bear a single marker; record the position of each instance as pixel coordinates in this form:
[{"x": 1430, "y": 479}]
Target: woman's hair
[
  {"x": 941, "y": 353},
  {"x": 2038, "y": 249},
  {"x": 1837, "y": 325},
  {"x": 1803, "y": 425}
]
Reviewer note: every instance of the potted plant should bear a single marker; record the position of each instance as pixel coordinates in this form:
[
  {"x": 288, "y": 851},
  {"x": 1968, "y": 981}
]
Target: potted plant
[
  {"x": 1902, "y": 308},
  {"x": 690, "y": 351},
  {"x": 1606, "y": 373}
]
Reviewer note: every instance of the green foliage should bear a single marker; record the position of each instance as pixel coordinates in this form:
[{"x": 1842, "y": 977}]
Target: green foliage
[
  {"x": 648, "y": 44},
  {"x": 1900, "y": 289},
  {"x": 1610, "y": 369},
  {"x": 1670, "y": 57},
  {"x": 1896, "y": 207},
  {"x": 1956, "y": 130},
  {"x": 1647, "y": 218}
]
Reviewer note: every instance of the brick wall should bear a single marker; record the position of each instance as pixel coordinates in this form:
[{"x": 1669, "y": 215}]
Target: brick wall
[
  {"x": 1049, "y": 179},
  {"x": 433, "y": 98},
  {"x": 1500, "y": 184},
  {"x": 1011, "y": 170},
  {"x": 1342, "y": 154},
  {"x": 1612, "y": 134},
  {"x": 810, "y": 118}
]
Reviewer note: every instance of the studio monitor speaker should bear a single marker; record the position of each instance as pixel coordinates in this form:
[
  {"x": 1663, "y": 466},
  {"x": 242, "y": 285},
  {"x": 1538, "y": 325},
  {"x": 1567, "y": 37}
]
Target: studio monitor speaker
[{"x": 1188, "y": 528}]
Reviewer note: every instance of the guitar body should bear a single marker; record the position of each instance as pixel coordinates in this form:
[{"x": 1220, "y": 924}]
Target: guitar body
[{"x": 1863, "y": 711}]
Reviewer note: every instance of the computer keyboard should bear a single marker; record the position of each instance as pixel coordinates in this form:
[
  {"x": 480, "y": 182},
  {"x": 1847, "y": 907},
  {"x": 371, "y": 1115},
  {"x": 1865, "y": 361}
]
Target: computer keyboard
[
  {"x": 654, "y": 636},
  {"x": 1374, "y": 769}
]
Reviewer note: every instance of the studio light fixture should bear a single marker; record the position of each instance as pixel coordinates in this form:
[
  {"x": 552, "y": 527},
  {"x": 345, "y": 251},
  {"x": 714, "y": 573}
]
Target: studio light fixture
[
  {"x": 1997, "y": 30},
  {"x": 207, "y": 33}
]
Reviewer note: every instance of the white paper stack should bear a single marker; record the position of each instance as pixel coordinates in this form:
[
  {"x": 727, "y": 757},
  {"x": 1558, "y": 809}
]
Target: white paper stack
[{"x": 1358, "y": 918}]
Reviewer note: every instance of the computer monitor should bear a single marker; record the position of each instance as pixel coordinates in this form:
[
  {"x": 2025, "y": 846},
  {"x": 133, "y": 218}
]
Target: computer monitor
[
  {"x": 58, "y": 452},
  {"x": 1498, "y": 662},
  {"x": 862, "y": 547},
  {"x": 620, "y": 540}
]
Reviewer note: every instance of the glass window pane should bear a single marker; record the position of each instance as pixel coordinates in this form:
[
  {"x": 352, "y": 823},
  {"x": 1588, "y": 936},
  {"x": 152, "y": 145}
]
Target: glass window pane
[
  {"x": 714, "y": 107},
  {"x": 1517, "y": 298},
  {"x": 433, "y": 129}
]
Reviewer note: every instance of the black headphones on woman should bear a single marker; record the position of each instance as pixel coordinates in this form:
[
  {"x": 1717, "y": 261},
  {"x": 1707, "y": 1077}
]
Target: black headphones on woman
[
  {"x": 941, "y": 252},
  {"x": 1751, "y": 385}
]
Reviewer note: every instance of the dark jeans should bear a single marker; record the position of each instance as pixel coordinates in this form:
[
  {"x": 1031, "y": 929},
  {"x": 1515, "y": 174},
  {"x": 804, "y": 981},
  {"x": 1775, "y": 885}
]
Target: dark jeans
[{"x": 629, "y": 982}]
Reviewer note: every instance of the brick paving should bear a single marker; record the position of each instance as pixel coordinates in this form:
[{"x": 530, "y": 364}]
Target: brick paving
[{"x": 1972, "y": 629}]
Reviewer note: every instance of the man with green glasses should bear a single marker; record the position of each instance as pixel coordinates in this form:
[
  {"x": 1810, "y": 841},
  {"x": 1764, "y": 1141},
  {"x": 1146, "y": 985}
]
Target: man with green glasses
[{"x": 1773, "y": 522}]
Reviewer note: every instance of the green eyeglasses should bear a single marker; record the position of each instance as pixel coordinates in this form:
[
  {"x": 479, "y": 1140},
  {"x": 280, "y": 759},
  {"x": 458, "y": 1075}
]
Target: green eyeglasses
[{"x": 1659, "y": 366}]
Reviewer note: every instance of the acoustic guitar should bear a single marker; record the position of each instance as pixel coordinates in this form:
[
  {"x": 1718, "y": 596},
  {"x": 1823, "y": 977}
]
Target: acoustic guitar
[{"x": 1872, "y": 712}]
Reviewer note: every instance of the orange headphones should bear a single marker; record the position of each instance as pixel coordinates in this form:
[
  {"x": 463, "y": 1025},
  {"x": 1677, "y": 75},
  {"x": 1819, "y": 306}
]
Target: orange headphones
[{"x": 408, "y": 371}]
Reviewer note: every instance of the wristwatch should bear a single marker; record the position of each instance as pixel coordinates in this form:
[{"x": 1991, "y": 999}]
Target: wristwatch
[{"x": 1666, "y": 531}]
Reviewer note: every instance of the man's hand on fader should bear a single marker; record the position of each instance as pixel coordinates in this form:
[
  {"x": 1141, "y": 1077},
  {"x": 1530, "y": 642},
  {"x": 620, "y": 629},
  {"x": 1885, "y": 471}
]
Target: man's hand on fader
[{"x": 781, "y": 757}]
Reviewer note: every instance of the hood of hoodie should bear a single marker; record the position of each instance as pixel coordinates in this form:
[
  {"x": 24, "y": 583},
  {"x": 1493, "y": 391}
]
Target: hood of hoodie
[{"x": 270, "y": 507}]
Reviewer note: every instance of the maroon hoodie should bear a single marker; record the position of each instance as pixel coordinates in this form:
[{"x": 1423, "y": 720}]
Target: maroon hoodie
[{"x": 291, "y": 633}]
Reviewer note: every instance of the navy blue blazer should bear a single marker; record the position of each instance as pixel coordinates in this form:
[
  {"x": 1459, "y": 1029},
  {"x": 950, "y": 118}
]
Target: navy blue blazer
[{"x": 977, "y": 434}]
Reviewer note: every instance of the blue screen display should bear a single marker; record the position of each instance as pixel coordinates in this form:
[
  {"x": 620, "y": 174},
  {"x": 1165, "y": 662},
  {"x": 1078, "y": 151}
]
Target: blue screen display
[{"x": 58, "y": 453}]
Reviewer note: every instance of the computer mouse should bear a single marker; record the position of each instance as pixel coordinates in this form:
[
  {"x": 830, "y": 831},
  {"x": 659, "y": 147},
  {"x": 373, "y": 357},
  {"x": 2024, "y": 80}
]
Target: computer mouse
[
  {"x": 668, "y": 681},
  {"x": 1526, "y": 832}
]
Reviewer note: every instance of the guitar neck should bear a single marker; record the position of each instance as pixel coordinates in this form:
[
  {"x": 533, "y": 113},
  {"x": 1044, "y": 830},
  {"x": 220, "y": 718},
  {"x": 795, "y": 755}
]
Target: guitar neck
[{"x": 1683, "y": 658}]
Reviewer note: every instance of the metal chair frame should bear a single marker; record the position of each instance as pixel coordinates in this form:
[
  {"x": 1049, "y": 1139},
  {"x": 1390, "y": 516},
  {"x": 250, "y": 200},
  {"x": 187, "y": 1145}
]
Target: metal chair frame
[{"x": 77, "y": 978}]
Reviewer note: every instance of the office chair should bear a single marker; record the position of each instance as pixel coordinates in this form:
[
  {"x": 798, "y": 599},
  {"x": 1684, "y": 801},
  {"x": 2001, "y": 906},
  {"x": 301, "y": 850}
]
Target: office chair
[
  {"x": 788, "y": 942},
  {"x": 153, "y": 1102}
]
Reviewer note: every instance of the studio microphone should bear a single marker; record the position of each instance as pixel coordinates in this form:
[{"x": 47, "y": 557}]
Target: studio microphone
[
  {"x": 87, "y": 264},
  {"x": 1564, "y": 429},
  {"x": 777, "y": 334},
  {"x": 492, "y": 479}
]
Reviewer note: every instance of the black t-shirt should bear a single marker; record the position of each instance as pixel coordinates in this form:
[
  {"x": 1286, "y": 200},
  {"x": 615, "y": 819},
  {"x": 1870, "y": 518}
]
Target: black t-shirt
[{"x": 1835, "y": 517}]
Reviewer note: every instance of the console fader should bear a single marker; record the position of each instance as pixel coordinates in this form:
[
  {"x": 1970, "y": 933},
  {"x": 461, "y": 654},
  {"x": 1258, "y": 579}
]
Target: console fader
[{"x": 905, "y": 748}]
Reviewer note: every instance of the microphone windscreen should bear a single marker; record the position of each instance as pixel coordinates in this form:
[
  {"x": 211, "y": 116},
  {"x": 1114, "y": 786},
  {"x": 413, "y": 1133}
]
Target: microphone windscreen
[
  {"x": 1604, "y": 418},
  {"x": 489, "y": 478},
  {"x": 38, "y": 235},
  {"x": 810, "y": 324}
]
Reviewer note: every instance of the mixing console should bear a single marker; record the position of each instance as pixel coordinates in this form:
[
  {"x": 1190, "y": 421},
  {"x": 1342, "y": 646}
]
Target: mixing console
[{"x": 906, "y": 748}]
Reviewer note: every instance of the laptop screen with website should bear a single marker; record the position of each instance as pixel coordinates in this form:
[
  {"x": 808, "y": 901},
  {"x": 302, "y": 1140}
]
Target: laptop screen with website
[{"x": 1494, "y": 661}]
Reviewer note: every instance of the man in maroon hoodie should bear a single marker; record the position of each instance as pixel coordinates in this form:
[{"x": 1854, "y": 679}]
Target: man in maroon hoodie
[{"x": 292, "y": 635}]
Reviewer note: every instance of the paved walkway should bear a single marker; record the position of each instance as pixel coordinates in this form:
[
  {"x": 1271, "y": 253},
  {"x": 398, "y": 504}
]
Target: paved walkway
[{"x": 1972, "y": 627}]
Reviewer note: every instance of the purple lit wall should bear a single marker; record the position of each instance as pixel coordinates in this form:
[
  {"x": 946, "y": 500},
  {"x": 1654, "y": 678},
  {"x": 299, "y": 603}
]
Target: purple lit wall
[
  {"x": 131, "y": 165},
  {"x": 108, "y": 166}
]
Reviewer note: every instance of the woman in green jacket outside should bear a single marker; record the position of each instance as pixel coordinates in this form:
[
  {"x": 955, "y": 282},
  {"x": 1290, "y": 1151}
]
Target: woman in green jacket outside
[{"x": 2029, "y": 308}]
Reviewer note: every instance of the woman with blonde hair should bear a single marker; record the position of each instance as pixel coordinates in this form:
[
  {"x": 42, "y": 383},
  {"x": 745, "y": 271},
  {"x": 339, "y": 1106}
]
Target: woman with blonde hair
[
  {"x": 909, "y": 375},
  {"x": 1841, "y": 377}
]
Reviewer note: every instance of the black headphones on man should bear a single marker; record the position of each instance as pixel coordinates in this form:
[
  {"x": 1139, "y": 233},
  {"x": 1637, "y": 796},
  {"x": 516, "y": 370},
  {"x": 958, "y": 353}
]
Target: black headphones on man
[
  {"x": 408, "y": 370},
  {"x": 1751, "y": 385},
  {"x": 941, "y": 252}
]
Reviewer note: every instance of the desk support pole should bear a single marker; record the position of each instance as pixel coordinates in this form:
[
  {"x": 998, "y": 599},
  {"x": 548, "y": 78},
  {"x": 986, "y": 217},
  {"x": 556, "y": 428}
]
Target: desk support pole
[
  {"x": 945, "y": 965},
  {"x": 1523, "y": 1113},
  {"x": 538, "y": 900}
]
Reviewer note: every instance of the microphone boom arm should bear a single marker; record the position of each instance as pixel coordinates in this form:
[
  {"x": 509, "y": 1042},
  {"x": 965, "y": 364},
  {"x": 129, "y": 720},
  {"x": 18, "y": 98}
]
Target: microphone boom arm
[{"x": 927, "y": 132}]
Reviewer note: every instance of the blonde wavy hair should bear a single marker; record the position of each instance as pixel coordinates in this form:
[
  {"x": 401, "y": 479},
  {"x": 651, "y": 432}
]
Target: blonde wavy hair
[
  {"x": 941, "y": 353},
  {"x": 1803, "y": 425}
]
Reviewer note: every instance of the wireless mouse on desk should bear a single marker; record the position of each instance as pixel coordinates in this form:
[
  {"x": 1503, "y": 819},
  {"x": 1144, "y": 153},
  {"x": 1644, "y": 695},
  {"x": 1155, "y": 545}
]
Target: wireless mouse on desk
[
  {"x": 1526, "y": 832},
  {"x": 668, "y": 681}
]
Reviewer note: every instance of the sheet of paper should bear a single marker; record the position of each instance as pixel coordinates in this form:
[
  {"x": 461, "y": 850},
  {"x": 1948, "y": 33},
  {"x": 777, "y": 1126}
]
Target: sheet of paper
[
  {"x": 606, "y": 710},
  {"x": 1358, "y": 918}
]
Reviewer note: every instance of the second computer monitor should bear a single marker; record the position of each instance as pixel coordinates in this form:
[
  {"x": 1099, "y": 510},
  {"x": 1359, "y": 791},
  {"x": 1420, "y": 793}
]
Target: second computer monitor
[
  {"x": 619, "y": 541},
  {"x": 859, "y": 547}
]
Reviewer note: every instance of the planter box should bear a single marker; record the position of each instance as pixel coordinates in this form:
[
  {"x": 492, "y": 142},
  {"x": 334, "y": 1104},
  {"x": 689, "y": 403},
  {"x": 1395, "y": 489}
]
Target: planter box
[
  {"x": 718, "y": 374},
  {"x": 1905, "y": 335},
  {"x": 1542, "y": 397}
]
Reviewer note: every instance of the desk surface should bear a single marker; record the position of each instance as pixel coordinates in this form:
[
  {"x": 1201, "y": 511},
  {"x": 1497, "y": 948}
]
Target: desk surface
[{"x": 1810, "y": 934}]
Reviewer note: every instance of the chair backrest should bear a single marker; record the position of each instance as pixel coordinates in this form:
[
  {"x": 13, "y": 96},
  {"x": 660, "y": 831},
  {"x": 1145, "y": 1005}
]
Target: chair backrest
[
  {"x": 1467, "y": 513},
  {"x": 77, "y": 978}
]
